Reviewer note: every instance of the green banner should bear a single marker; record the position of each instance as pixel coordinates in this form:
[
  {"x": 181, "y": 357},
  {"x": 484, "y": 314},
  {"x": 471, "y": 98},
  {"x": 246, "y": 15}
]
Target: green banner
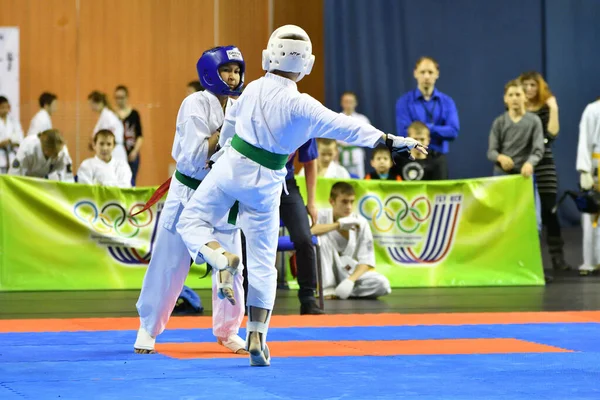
[
  {"x": 475, "y": 232},
  {"x": 480, "y": 232},
  {"x": 68, "y": 236}
]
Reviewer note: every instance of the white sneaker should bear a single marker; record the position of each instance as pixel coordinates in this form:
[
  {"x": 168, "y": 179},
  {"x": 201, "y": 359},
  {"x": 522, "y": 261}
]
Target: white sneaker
[
  {"x": 144, "y": 343},
  {"x": 234, "y": 343}
]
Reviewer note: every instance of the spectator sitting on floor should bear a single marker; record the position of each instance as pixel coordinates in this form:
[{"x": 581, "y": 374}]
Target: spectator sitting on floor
[
  {"x": 381, "y": 161},
  {"x": 347, "y": 254},
  {"x": 327, "y": 167},
  {"x": 420, "y": 167}
]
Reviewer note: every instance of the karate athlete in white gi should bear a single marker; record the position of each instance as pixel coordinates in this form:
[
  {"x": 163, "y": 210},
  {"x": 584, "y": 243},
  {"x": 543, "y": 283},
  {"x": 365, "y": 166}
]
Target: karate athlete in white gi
[
  {"x": 11, "y": 135},
  {"x": 268, "y": 122},
  {"x": 201, "y": 115},
  {"x": 42, "y": 120},
  {"x": 588, "y": 160},
  {"x": 108, "y": 120},
  {"x": 104, "y": 169},
  {"x": 43, "y": 155},
  {"x": 347, "y": 254}
]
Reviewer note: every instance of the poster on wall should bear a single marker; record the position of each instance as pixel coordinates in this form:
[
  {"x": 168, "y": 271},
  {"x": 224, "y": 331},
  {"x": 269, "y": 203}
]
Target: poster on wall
[{"x": 9, "y": 68}]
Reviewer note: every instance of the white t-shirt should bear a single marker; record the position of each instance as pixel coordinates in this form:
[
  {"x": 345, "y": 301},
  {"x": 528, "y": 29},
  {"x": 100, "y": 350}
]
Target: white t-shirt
[{"x": 94, "y": 171}]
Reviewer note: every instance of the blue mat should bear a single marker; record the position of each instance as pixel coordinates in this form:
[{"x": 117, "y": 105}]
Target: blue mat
[{"x": 101, "y": 365}]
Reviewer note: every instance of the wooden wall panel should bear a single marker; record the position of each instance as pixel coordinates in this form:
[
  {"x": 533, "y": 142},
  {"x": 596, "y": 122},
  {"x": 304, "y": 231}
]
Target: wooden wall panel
[
  {"x": 152, "y": 47},
  {"x": 149, "y": 45},
  {"x": 47, "y": 57},
  {"x": 245, "y": 23},
  {"x": 307, "y": 14}
]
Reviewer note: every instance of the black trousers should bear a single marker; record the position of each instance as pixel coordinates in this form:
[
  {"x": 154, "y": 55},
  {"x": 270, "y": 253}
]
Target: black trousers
[
  {"x": 295, "y": 218},
  {"x": 550, "y": 222},
  {"x": 439, "y": 171}
]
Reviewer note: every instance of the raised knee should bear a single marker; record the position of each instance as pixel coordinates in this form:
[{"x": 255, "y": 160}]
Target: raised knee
[{"x": 383, "y": 286}]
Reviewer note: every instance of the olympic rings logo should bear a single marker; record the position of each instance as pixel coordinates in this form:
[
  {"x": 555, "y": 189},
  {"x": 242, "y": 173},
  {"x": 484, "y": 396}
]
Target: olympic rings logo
[
  {"x": 397, "y": 211},
  {"x": 113, "y": 218}
]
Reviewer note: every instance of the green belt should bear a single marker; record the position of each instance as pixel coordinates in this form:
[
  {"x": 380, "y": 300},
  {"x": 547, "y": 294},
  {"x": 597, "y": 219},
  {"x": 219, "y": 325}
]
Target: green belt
[
  {"x": 187, "y": 181},
  {"x": 265, "y": 158},
  {"x": 262, "y": 157}
]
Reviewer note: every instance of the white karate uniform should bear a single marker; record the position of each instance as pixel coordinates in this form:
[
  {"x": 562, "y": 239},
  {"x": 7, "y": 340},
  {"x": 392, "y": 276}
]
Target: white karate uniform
[
  {"x": 94, "y": 171},
  {"x": 334, "y": 170},
  {"x": 30, "y": 161},
  {"x": 351, "y": 157},
  {"x": 588, "y": 160},
  {"x": 200, "y": 115},
  {"x": 340, "y": 256},
  {"x": 40, "y": 122},
  {"x": 9, "y": 129},
  {"x": 272, "y": 115},
  {"x": 110, "y": 121}
]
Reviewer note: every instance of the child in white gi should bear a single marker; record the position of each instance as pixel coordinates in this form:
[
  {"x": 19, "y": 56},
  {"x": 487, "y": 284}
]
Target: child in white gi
[
  {"x": 327, "y": 165},
  {"x": 42, "y": 120},
  {"x": 352, "y": 158},
  {"x": 42, "y": 155},
  {"x": 347, "y": 253},
  {"x": 108, "y": 120},
  {"x": 200, "y": 117},
  {"x": 588, "y": 157},
  {"x": 11, "y": 135},
  {"x": 104, "y": 169},
  {"x": 268, "y": 122}
]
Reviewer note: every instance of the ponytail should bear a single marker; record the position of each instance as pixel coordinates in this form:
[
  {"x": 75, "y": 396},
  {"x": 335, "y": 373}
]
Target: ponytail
[{"x": 100, "y": 97}]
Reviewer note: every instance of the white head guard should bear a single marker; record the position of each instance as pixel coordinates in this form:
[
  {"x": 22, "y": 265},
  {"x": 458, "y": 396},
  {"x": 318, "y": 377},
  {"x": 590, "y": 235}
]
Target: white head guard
[{"x": 289, "y": 50}]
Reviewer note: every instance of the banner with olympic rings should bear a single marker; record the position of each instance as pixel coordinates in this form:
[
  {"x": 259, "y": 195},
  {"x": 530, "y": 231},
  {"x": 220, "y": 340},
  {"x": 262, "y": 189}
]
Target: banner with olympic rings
[
  {"x": 474, "y": 232},
  {"x": 65, "y": 236}
]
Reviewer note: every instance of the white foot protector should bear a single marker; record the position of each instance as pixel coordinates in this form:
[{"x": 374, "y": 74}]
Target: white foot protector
[
  {"x": 226, "y": 270},
  {"x": 233, "y": 343},
  {"x": 259, "y": 351},
  {"x": 144, "y": 341}
]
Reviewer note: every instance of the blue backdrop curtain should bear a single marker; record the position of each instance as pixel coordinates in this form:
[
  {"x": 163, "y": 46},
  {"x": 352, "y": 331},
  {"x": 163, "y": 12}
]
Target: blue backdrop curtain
[{"x": 371, "y": 48}]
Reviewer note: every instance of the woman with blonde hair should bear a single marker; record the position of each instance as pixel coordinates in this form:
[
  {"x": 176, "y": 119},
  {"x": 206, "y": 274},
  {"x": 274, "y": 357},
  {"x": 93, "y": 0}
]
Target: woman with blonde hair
[{"x": 541, "y": 101}]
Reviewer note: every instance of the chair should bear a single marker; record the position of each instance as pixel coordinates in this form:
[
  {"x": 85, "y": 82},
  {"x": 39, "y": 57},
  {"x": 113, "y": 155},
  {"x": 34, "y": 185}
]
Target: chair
[{"x": 284, "y": 243}]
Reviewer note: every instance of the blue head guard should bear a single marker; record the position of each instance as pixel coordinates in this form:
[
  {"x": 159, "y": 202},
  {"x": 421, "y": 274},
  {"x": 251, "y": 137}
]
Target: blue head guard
[{"x": 208, "y": 70}]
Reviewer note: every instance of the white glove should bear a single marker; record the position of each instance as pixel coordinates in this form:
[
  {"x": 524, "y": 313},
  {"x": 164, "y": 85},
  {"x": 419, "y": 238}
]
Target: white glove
[
  {"x": 344, "y": 289},
  {"x": 586, "y": 180},
  {"x": 400, "y": 143},
  {"x": 348, "y": 223}
]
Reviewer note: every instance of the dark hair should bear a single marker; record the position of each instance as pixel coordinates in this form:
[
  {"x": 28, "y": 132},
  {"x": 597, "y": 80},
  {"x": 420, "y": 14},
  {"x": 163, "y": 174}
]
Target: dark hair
[
  {"x": 3, "y": 100},
  {"x": 46, "y": 99},
  {"x": 104, "y": 133},
  {"x": 123, "y": 88},
  {"x": 380, "y": 149},
  {"x": 99, "y": 97},
  {"x": 341, "y": 188},
  {"x": 196, "y": 85}
]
